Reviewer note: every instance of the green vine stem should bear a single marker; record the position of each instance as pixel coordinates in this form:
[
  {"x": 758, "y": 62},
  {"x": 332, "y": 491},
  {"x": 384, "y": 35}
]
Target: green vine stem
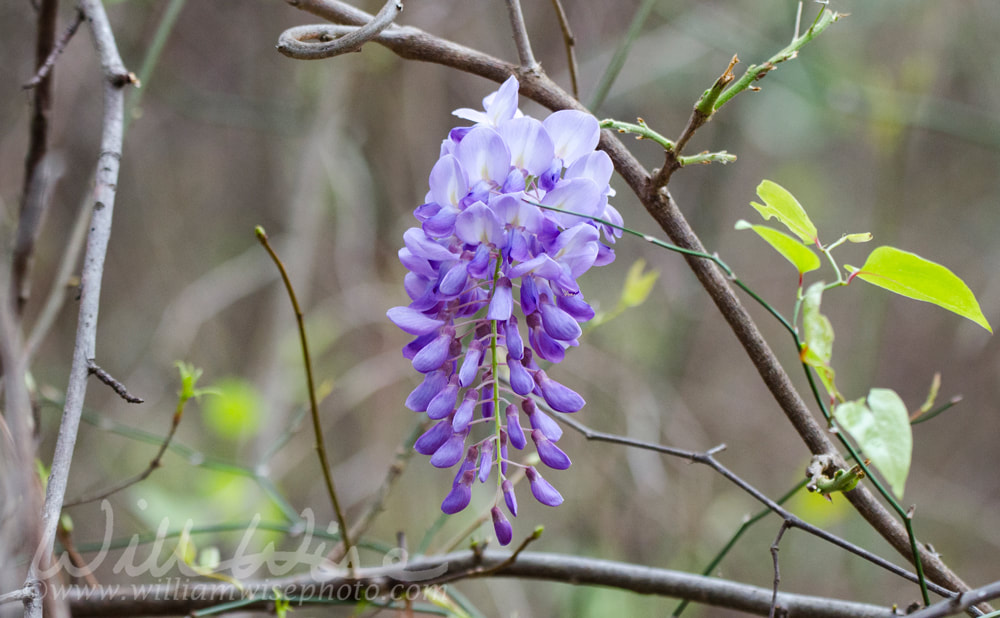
[
  {"x": 756, "y": 72},
  {"x": 313, "y": 405}
]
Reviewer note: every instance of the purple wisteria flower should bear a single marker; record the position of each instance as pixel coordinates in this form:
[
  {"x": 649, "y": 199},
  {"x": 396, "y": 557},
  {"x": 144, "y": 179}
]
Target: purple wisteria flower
[{"x": 492, "y": 281}]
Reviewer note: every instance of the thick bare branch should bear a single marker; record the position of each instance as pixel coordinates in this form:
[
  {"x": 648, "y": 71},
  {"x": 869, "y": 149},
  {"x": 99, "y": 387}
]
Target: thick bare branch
[{"x": 168, "y": 599}]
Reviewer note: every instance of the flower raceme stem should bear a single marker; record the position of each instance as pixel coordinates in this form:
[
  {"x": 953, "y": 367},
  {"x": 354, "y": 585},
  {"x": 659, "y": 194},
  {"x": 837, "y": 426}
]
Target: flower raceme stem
[{"x": 488, "y": 259}]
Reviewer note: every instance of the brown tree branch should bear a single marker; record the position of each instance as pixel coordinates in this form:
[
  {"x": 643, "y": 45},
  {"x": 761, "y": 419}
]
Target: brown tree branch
[
  {"x": 412, "y": 43},
  {"x": 171, "y": 599}
]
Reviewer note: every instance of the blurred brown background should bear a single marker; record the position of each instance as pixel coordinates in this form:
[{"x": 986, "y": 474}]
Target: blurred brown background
[{"x": 888, "y": 123}]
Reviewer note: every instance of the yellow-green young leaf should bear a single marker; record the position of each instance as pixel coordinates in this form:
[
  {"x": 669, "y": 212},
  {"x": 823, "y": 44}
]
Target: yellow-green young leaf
[
  {"x": 860, "y": 237},
  {"x": 818, "y": 335},
  {"x": 792, "y": 250},
  {"x": 910, "y": 275},
  {"x": 781, "y": 204},
  {"x": 638, "y": 284},
  {"x": 881, "y": 427}
]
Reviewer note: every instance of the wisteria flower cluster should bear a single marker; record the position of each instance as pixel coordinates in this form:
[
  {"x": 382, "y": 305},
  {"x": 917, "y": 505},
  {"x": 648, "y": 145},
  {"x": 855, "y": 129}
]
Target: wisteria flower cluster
[{"x": 494, "y": 223}]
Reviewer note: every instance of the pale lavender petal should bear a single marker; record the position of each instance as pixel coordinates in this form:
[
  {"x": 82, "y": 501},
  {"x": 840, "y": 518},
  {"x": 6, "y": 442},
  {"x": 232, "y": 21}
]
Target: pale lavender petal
[
  {"x": 502, "y": 303},
  {"x": 448, "y": 181},
  {"x": 531, "y": 148},
  {"x": 576, "y": 248},
  {"x": 479, "y": 265},
  {"x": 444, "y": 402},
  {"x": 454, "y": 280},
  {"x": 417, "y": 286},
  {"x": 596, "y": 166},
  {"x": 605, "y": 255},
  {"x": 514, "y": 430},
  {"x": 545, "y": 346},
  {"x": 542, "y": 266},
  {"x": 434, "y": 382},
  {"x": 578, "y": 195},
  {"x": 423, "y": 246},
  {"x": 470, "y": 364},
  {"x": 520, "y": 379},
  {"x": 573, "y": 133},
  {"x": 451, "y": 452},
  {"x": 463, "y": 416},
  {"x": 484, "y": 156},
  {"x": 502, "y": 104},
  {"x": 486, "y": 462},
  {"x": 512, "y": 339},
  {"x": 410, "y": 350},
  {"x": 514, "y": 183},
  {"x": 574, "y": 305},
  {"x": 478, "y": 224},
  {"x": 558, "y": 324},
  {"x": 413, "y": 322},
  {"x": 435, "y": 353},
  {"x": 415, "y": 263},
  {"x": 433, "y": 438},
  {"x": 542, "y": 422},
  {"x": 442, "y": 224}
]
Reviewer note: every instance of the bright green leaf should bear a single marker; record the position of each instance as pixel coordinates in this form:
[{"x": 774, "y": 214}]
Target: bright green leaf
[
  {"x": 781, "y": 204},
  {"x": 881, "y": 428},
  {"x": 638, "y": 284},
  {"x": 818, "y": 337},
  {"x": 792, "y": 250},
  {"x": 912, "y": 276}
]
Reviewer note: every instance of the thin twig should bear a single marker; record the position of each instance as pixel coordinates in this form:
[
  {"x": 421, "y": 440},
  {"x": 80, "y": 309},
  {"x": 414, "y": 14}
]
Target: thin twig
[
  {"x": 155, "y": 463},
  {"x": 700, "y": 115},
  {"x": 115, "y": 76},
  {"x": 102, "y": 375},
  {"x": 315, "y": 42},
  {"x": 964, "y": 602},
  {"x": 313, "y": 405},
  {"x": 707, "y": 458},
  {"x": 521, "y": 40},
  {"x": 570, "y": 42},
  {"x": 777, "y": 573},
  {"x": 60, "y": 45}
]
